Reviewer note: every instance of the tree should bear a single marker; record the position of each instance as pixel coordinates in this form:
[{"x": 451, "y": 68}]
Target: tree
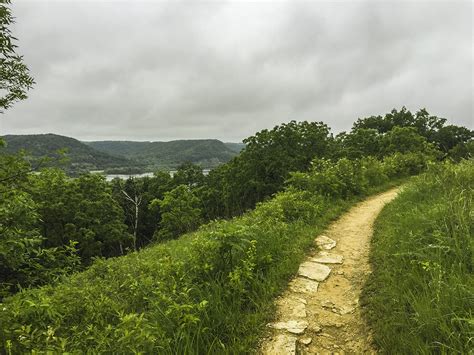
[
  {"x": 144, "y": 190},
  {"x": 433, "y": 128},
  {"x": 360, "y": 143},
  {"x": 25, "y": 259},
  {"x": 448, "y": 137},
  {"x": 405, "y": 140},
  {"x": 82, "y": 210},
  {"x": 188, "y": 174},
  {"x": 136, "y": 201},
  {"x": 15, "y": 80},
  {"x": 268, "y": 158},
  {"x": 180, "y": 213}
]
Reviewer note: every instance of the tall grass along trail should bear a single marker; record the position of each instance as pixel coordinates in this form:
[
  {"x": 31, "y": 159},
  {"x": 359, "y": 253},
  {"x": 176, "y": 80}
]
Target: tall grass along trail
[{"x": 319, "y": 312}]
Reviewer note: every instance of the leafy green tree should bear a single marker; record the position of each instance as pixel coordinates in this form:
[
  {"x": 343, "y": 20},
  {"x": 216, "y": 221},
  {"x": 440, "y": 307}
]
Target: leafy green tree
[
  {"x": 268, "y": 158},
  {"x": 462, "y": 151},
  {"x": 379, "y": 123},
  {"x": 24, "y": 262},
  {"x": 15, "y": 80},
  {"x": 433, "y": 128},
  {"x": 25, "y": 259},
  {"x": 360, "y": 143},
  {"x": 180, "y": 213},
  {"x": 448, "y": 137},
  {"x": 80, "y": 210},
  {"x": 427, "y": 125},
  {"x": 188, "y": 174},
  {"x": 405, "y": 140},
  {"x": 213, "y": 193}
]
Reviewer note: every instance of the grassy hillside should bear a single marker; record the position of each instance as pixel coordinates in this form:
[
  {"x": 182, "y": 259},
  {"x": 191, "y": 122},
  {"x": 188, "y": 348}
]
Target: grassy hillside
[
  {"x": 79, "y": 156},
  {"x": 420, "y": 297},
  {"x": 206, "y": 152}
]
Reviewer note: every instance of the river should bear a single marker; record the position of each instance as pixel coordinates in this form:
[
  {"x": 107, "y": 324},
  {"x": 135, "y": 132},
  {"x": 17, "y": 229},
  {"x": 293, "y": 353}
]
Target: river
[{"x": 110, "y": 177}]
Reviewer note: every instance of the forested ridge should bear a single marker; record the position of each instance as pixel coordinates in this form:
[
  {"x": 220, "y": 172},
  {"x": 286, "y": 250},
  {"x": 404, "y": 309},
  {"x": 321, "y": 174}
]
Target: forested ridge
[
  {"x": 71, "y": 155},
  {"x": 75, "y": 157},
  {"x": 207, "y": 153}
]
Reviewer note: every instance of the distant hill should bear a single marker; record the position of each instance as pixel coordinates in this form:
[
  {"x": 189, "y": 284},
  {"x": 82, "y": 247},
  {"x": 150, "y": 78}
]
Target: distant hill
[
  {"x": 236, "y": 147},
  {"x": 79, "y": 156},
  {"x": 122, "y": 156},
  {"x": 206, "y": 152}
]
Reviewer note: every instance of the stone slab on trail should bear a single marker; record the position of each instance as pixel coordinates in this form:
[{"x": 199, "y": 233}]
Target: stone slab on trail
[
  {"x": 325, "y": 243},
  {"x": 326, "y": 258},
  {"x": 314, "y": 271},
  {"x": 296, "y": 306},
  {"x": 282, "y": 344},
  {"x": 294, "y": 326},
  {"x": 303, "y": 285}
]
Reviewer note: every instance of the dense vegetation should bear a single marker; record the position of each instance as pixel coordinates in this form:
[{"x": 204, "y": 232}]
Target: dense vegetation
[
  {"x": 204, "y": 291},
  {"x": 68, "y": 153},
  {"x": 421, "y": 294},
  {"x": 86, "y": 218},
  {"x": 207, "y": 153}
]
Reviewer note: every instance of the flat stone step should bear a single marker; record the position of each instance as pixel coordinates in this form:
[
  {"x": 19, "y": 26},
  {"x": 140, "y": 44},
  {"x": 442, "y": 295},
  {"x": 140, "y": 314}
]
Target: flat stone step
[
  {"x": 293, "y": 326},
  {"x": 326, "y": 258},
  {"x": 282, "y": 344},
  {"x": 303, "y": 285},
  {"x": 325, "y": 243},
  {"x": 314, "y": 271},
  {"x": 294, "y": 307}
]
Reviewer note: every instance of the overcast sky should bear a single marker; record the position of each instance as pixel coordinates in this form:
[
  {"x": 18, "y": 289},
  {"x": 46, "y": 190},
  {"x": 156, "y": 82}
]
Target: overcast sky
[{"x": 150, "y": 70}]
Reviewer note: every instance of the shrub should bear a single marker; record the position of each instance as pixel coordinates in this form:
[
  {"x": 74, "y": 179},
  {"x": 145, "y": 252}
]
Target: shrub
[{"x": 345, "y": 178}]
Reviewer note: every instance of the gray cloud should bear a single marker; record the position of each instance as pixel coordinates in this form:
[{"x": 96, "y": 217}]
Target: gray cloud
[{"x": 166, "y": 70}]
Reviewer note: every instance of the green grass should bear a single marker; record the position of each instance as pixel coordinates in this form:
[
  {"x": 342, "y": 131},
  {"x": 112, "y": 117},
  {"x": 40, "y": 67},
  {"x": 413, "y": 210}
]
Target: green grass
[{"x": 420, "y": 297}]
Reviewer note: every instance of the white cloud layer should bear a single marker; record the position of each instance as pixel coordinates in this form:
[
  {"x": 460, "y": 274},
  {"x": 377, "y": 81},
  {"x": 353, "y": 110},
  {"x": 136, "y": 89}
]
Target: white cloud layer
[{"x": 153, "y": 70}]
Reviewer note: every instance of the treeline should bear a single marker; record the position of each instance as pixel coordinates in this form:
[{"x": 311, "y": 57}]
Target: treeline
[{"x": 52, "y": 225}]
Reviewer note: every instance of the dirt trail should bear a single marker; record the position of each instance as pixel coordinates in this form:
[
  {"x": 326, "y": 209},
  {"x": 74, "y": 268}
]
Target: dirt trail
[{"x": 319, "y": 313}]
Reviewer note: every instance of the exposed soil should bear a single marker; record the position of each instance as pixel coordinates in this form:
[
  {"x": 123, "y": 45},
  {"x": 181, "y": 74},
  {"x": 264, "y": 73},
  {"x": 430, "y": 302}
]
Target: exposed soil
[{"x": 319, "y": 312}]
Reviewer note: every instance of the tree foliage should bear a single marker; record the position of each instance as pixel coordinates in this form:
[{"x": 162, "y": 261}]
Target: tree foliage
[
  {"x": 432, "y": 128},
  {"x": 15, "y": 79},
  {"x": 82, "y": 210},
  {"x": 180, "y": 213},
  {"x": 25, "y": 259}
]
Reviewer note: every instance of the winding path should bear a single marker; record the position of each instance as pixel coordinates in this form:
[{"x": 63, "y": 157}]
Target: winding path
[{"x": 319, "y": 312}]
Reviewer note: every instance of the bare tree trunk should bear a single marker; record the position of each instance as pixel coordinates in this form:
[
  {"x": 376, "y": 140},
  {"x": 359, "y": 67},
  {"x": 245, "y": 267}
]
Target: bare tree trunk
[
  {"x": 136, "y": 202},
  {"x": 135, "y": 230}
]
